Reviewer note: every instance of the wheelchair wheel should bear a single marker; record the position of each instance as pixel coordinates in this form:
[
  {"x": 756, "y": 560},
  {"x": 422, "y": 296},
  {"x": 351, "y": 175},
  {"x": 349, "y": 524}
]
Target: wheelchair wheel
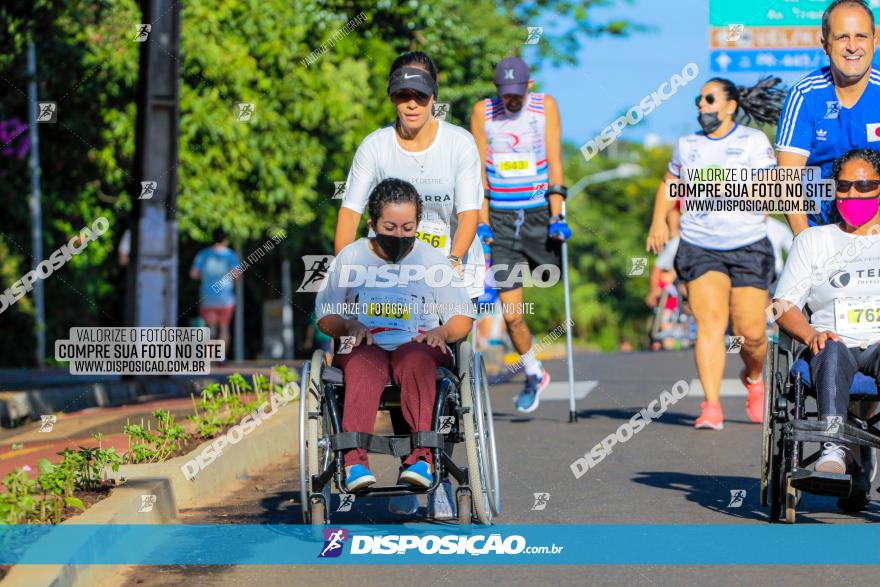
[
  {"x": 767, "y": 425},
  {"x": 479, "y": 435},
  {"x": 464, "y": 505},
  {"x": 792, "y": 497},
  {"x": 314, "y": 454}
]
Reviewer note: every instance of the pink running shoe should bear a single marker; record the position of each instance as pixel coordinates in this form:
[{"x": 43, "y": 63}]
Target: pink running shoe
[
  {"x": 711, "y": 416},
  {"x": 755, "y": 400}
]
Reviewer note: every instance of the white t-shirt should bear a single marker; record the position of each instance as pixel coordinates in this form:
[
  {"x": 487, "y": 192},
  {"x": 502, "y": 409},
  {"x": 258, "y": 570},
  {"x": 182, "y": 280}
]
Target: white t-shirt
[
  {"x": 446, "y": 175},
  {"x": 827, "y": 264},
  {"x": 393, "y": 300},
  {"x": 742, "y": 147}
]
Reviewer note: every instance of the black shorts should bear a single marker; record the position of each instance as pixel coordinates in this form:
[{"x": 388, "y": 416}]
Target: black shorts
[
  {"x": 521, "y": 237},
  {"x": 749, "y": 266}
]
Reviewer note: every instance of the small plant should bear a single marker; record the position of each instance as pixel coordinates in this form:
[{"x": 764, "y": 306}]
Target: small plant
[{"x": 146, "y": 447}]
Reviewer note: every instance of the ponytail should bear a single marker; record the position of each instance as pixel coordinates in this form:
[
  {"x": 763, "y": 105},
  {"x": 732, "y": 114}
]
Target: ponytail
[{"x": 761, "y": 102}]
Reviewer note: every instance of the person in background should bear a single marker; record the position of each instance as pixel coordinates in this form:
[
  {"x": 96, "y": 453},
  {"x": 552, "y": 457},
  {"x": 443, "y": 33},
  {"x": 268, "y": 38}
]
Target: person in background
[{"x": 213, "y": 266}]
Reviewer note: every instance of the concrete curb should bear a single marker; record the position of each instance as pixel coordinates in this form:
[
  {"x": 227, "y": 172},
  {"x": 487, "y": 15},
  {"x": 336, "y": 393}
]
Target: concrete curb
[
  {"x": 277, "y": 437},
  {"x": 76, "y": 397}
]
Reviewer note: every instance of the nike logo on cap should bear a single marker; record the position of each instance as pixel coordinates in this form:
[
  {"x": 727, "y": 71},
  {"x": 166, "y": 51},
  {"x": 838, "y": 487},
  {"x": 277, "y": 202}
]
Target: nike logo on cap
[{"x": 405, "y": 76}]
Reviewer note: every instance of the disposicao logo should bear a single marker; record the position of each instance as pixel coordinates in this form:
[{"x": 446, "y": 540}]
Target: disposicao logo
[{"x": 334, "y": 538}]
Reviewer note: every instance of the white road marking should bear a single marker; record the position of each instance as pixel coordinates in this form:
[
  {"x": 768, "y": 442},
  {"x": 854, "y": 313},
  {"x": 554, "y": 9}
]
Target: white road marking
[
  {"x": 558, "y": 390},
  {"x": 729, "y": 387}
]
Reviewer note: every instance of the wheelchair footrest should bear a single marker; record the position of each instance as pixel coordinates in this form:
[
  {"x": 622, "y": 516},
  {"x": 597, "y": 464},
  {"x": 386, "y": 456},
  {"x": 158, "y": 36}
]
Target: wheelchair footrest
[
  {"x": 818, "y": 483},
  {"x": 844, "y": 433}
]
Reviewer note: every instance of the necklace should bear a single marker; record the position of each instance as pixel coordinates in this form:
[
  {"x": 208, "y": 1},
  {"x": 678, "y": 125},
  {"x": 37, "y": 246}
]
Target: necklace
[{"x": 421, "y": 163}]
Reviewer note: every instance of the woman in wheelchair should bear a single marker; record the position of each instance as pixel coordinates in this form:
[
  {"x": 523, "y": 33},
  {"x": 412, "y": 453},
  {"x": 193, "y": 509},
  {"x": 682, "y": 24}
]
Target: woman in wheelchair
[
  {"x": 401, "y": 316},
  {"x": 834, "y": 271}
]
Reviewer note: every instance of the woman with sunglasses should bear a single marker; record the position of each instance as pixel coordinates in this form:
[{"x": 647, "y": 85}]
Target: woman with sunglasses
[
  {"x": 724, "y": 258},
  {"x": 832, "y": 270},
  {"x": 442, "y": 161}
]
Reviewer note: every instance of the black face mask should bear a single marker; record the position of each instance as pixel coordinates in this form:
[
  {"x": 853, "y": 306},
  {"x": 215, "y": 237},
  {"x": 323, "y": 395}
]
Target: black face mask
[
  {"x": 396, "y": 247},
  {"x": 709, "y": 122}
]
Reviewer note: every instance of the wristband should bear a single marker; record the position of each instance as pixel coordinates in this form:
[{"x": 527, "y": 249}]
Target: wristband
[{"x": 557, "y": 188}]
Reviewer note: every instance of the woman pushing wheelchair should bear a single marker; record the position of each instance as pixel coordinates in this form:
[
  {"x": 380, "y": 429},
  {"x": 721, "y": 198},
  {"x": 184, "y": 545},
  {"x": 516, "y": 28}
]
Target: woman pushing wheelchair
[
  {"x": 401, "y": 302},
  {"x": 834, "y": 270}
]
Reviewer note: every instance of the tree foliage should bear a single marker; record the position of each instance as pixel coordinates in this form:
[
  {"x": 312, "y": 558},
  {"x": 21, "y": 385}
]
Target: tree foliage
[{"x": 275, "y": 171}]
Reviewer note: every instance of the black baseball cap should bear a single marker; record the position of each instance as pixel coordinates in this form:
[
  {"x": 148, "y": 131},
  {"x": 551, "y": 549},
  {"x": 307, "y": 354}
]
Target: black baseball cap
[
  {"x": 412, "y": 78},
  {"x": 512, "y": 76}
]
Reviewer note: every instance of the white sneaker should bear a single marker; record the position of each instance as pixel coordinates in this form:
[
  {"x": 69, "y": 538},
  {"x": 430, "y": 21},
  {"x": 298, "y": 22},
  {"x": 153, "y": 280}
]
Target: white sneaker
[
  {"x": 440, "y": 503},
  {"x": 404, "y": 505},
  {"x": 832, "y": 459}
]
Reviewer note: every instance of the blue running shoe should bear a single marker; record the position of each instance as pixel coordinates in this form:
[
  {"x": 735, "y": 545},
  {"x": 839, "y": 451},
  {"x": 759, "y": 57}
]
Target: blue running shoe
[
  {"x": 527, "y": 401},
  {"x": 418, "y": 475},
  {"x": 359, "y": 477}
]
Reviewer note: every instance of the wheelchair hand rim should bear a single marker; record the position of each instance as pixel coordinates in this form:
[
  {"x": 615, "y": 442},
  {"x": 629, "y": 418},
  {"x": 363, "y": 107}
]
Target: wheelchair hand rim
[
  {"x": 305, "y": 502},
  {"x": 487, "y": 416},
  {"x": 488, "y": 490}
]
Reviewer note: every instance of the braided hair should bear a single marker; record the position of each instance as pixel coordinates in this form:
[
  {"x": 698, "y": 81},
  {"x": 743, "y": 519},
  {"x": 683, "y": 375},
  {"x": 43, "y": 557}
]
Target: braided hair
[
  {"x": 761, "y": 102},
  {"x": 869, "y": 156}
]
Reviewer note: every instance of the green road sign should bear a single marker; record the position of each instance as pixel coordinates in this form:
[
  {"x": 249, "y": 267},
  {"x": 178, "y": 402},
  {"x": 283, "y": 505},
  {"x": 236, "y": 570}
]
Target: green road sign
[{"x": 771, "y": 12}]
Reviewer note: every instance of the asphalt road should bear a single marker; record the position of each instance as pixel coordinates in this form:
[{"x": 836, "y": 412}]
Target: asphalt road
[{"x": 668, "y": 473}]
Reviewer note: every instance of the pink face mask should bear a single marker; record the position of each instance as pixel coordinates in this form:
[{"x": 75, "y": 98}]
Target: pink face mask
[{"x": 858, "y": 211}]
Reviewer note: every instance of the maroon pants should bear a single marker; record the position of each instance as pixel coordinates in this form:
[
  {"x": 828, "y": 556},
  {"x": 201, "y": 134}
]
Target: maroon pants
[{"x": 413, "y": 366}]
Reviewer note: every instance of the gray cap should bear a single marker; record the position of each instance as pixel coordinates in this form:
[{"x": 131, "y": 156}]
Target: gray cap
[
  {"x": 512, "y": 76},
  {"x": 412, "y": 78}
]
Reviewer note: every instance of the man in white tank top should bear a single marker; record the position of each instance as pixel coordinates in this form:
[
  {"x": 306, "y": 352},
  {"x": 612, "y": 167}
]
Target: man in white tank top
[{"x": 518, "y": 136}]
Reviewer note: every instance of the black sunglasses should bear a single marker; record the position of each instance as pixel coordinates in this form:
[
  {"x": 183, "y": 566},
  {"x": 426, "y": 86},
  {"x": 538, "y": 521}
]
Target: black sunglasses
[
  {"x": 863, "y": 186},
  {"x": 407, "y": 95},
  {"x": 710, "y": 99}
]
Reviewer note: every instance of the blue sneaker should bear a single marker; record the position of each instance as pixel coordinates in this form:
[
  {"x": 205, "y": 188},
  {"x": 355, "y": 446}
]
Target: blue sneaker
[
  {"x": 418, "y": 475},
  {"x": 359, "y": 477},
  {"x": 527, "y": 401}
]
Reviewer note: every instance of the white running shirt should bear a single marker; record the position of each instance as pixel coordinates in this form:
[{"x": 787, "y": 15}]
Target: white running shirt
[
  {"x": 741, "y": 147},
  {"x": 446, "y": 175},
  {"x": 827, "y": 264},
  {"x": 393, "y": 306}
]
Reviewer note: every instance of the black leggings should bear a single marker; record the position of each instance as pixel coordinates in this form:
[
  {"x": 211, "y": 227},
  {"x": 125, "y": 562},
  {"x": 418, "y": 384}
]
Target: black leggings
[{"x": 832, "y": 370}]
